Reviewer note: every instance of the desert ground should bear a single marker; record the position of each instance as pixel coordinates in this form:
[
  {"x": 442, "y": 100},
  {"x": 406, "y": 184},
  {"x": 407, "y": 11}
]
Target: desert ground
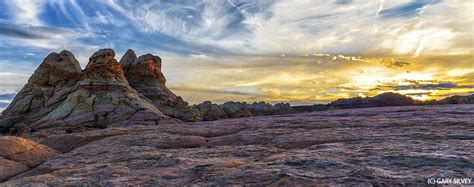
[{"x": 369, "y": 146}]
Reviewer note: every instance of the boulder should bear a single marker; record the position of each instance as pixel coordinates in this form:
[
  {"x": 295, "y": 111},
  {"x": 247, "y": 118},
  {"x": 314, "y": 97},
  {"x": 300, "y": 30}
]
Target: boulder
[
  {"x": 211, "y": 111},
  {"x": 18, "y": 155}
]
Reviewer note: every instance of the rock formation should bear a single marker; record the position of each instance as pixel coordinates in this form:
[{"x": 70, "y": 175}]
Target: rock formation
[
  {"x": 102, "y": 97},
  {"x": 211, "y": 111},
  {"x": 233, "y": 109},
  {"x": 18, "y": 155},
  {"x": 144, "y": 74},
  {"x": 385, "y": 99},
  {"x": 457, "y": 99},
  {"x": 50, "y": 84},
  {"x": 60, "y": 94}
]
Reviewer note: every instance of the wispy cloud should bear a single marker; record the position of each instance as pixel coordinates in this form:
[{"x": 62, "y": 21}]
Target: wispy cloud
[
  {"x": 26, "y": 11},
  {"x": 5, "y": 100},
  {"x": 406, "y": 9}
]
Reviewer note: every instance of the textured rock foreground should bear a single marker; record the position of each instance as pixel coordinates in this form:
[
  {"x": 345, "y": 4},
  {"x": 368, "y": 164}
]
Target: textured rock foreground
[
  {"x": 18, "y": 155},
  {"x": 376, "y": 146}
]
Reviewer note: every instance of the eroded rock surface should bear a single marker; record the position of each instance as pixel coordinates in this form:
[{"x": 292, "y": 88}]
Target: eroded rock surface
[
  {"x": 50, "y": 84},
  {"x": 374, "y": 146},
  {"x": 18, "y": 155},
  {"x": 60, "y": 94},
  {"x": 144, "y": 74},
  {"x": 102, "y": 98}
]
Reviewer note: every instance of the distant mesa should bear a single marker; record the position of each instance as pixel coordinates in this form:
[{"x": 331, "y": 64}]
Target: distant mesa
[
  {"x": 105, "y": 93},
  {"x": 382, "y": 100},
  {"x": 385, "y": 99}
]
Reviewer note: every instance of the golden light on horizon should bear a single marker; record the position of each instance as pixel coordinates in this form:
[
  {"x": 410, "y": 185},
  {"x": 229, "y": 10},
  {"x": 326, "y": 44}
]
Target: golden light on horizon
[{"x": 302, "y": 81}]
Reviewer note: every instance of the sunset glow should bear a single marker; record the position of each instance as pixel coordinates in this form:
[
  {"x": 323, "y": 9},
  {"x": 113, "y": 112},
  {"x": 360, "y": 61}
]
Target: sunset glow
[{"x": 300, "y": 52}]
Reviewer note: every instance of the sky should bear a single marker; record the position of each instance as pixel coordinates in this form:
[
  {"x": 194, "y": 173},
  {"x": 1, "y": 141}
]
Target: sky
[{"x": 297, "y": 51}]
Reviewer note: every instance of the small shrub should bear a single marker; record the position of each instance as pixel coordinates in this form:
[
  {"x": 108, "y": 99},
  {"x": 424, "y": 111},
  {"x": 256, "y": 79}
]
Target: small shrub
[{"x": 69, "y": 130}]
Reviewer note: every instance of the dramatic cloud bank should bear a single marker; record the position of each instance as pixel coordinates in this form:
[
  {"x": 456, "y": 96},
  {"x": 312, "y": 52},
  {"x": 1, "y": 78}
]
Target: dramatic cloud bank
[{"x": 301, "y": 51}]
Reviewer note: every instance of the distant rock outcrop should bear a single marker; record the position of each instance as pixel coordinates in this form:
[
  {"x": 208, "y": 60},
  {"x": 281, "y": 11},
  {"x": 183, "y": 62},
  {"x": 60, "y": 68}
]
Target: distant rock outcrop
[
  {"x": 211, "y": 111},
  {"x": 60, "y": 94},
  {"x": 469, "y": 99},
  {"x": 233, "y": 109},
  {"x": 385, "y": 99},
  {"x": 144, "y": 74}
]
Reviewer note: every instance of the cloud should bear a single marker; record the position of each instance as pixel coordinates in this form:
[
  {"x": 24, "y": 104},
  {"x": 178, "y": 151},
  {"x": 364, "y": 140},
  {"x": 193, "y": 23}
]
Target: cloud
[
  {"x": 3, "y": 105},
  {"x": 206, "y": 90},
  {"x": 285, "y": 50},
  {"x": 6, "y": 99},
  {"x": 437, "y": 86},
  {"x": 8, "y": 96},
  {"x": 407, "y": 9},
  {"x": 26, "y": 11},
  {"x": 229, "y": 28},
  {"x": 13, "y": 31},
  {"x": 30, "y": 32},
  {"x": 343, "y": 2}
]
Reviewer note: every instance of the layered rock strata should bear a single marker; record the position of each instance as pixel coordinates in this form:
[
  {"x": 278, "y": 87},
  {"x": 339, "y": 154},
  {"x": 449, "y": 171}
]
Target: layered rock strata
[
  {"x": 60, "y": 94},
  {"x": 144, "y": 74},
  {"x": 50, "y": 84}
]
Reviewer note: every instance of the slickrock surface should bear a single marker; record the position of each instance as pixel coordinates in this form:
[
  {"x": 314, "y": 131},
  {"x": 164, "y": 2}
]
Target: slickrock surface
[
  {"x": 374, "y": 146},
  {"x": 144, "y": 74},
  {"x": 18, "y": 155}
]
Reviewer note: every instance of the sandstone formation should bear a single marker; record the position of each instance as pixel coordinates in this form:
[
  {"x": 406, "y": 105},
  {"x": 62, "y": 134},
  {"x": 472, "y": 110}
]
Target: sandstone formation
[
  {"x": 387, "y": 146},
  {"x": 211, "y": 111},
  {"x": 18, "y": 155},
  {"x": 101, "y": 98},
  {"x": 50, "y": 84},
  {"x": 59, "y": 94},
  {"x": 144, "y": 74}
]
